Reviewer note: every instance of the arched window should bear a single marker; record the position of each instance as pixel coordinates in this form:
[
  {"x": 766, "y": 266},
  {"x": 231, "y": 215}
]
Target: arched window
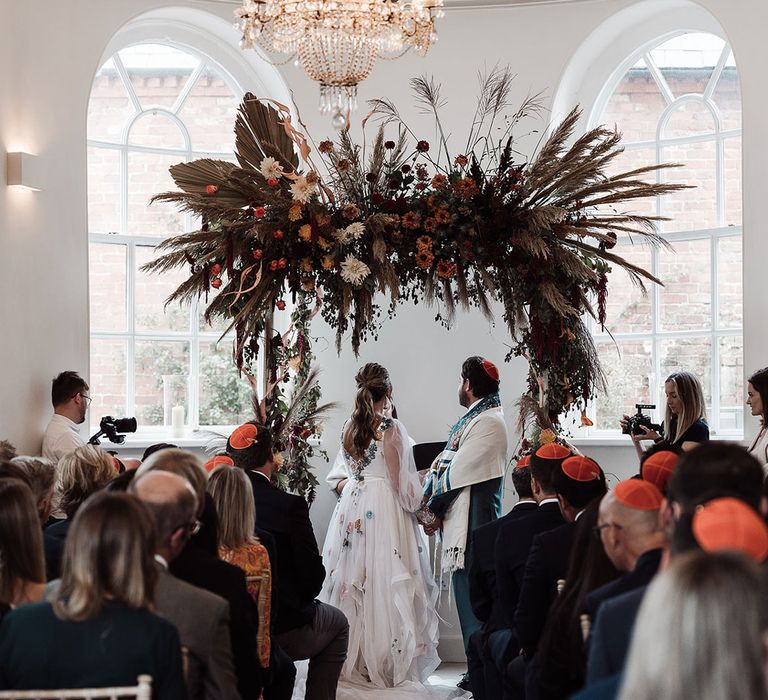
[
  {"x": 678, "y": 101},
  {"x": 153, "y": 105}
]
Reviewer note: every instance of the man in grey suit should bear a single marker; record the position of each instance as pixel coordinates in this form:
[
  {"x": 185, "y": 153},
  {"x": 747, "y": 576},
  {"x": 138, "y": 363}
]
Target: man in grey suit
[{"x": 201, "y": 617}]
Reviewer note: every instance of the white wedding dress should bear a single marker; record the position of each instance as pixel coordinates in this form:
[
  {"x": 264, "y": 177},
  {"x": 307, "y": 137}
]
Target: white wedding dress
[{"x": 378, "y": 572}]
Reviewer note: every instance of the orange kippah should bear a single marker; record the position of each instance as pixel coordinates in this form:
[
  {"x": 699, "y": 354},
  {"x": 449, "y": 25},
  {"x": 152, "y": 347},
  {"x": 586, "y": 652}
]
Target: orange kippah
[
  {"x": 638, "y": 494},
  {"x": 218, "y": 461},
  {"x": 580, "y": 468},
  {"x": 728, "y": 523},
  {"x": 553, "y": 450},
  {"x": 524, "y": 461},
  {"x": 659, "y": 467},
  {"x": 243, "y": 437},
  {"x": 491, "y": 370}
]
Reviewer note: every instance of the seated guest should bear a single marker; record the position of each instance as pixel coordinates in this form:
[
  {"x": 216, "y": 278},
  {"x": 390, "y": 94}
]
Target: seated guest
[
  {"x": 483, "y": 592},
  {"x": 70, "y": 397},
  {"x": 156, "y": 448},
  {"x": 22, "y": 566},
  {"x": 233, "y": 498},
  {"x": 304, "y": 627},
  {"x": 630, "y": 531},
  {"x": 41, "y": 474},
  {"x": 701, "y": 632},
  {"x": 81, "y": 473},
  {"x": 559, "y": 666},
  {"x": 99, "y": 630},
  {"x": 7, "y": 451},
  {"x": 202, "y": 618},
  {"x": 198, "y": 566},
  {"x": 658, "y": 463}
]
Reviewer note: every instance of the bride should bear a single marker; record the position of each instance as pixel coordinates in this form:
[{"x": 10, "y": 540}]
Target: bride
[{"x": 375, "y": 552}]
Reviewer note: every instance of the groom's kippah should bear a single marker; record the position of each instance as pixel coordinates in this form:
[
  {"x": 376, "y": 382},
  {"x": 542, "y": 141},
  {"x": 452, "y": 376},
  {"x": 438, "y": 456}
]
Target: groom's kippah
[
  {"x": 580, "y": 468},
  {"x": 553, "y": 450},
  {"x": 218, "y": 461},
  {"x": 491, "y": 370},
  {"x": 638, "y": 494},
  {"x": 659, "y": 467},
  {"x": 728, "y": 523},
  {"x": 243, "y": 437}
]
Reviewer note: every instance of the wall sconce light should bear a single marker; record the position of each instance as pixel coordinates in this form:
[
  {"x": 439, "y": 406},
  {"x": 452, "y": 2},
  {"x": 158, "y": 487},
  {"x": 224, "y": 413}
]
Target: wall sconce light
[{"x": 24, "y": 170}]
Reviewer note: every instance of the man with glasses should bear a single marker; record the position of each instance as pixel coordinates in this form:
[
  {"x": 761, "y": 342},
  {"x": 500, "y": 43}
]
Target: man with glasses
[{"x": 70, "y": 397}]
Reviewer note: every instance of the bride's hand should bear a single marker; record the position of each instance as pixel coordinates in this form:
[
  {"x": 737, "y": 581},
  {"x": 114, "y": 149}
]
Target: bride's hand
[{"x": 340, "y": 486}]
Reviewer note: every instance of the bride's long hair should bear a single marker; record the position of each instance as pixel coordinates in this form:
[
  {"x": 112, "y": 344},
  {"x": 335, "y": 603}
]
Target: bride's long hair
[{"x": 372, "y": 385}]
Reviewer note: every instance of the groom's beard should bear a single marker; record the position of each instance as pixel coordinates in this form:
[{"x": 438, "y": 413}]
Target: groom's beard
[{"x": 463, "y": 398}]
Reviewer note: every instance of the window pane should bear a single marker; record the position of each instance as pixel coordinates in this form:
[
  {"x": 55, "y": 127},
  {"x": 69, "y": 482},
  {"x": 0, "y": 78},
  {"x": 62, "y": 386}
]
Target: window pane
[
  {"x": 631, "y": 159},
  {"x": 147, "y": 176},
  {"x": 635, "y": 106},
  {"x": 729, "y": 282},
  {"x": 157, "y": 73},
  {"x": 225, "y": 398},
  {"x": 219, "y": 324},
  {"x": 628, "y": 371},
  {"x": 732, "y": 394},
  {"x": 696, "y": 208},
  {"x": 107, "y": 380},
  {"x": 156, "y": 130},
  {"x": 687, "y": 61},
  {"x": 155, "y": 358},
  {"x": 152, "y": 289},
  {"x": 727, "y": 96},
  {"x": 103, "y": 190},
  {"x": 107, "y": 266},
  {"x": 690, "y": 118},
  {"x": 685, "y": 299},
  {"x": 209, "y": 113},
  {"x": 690, "y": 355},
  {"x": 732, "y": 165},
  {"x": 109, "y": 108},
  {"x": 627, "y": 309}
]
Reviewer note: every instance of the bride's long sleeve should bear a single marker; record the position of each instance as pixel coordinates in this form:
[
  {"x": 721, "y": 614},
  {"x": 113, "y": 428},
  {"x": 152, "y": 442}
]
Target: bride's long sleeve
[{"x": 401, "y": 467}]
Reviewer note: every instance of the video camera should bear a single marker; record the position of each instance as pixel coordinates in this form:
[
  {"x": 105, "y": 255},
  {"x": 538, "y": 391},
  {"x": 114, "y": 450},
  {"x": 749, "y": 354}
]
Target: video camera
[
  {"x": 112, "y": 427},
  {"x": 640, "y": 419}
]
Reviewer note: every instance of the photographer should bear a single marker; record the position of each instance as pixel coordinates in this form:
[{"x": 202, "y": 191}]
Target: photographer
[
  {"x": 70, "y": 398},
  {"x": 685, "y": 424}
]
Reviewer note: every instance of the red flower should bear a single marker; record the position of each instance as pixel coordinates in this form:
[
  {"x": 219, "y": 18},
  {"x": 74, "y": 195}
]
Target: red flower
[
  {"x": 370, "y": 177},
  {"x": 211, "y": 189},
  {"x": 258, "y": 254},
  {"x": 377, "y": 198},
  {"x": 272, "y": 182},
  {"x": 278, "y": 234},
  {"x": 282, "y": 263},
  {"x": 273, "y": 265},
  {"x": 406, "y": 168},
  {"x": 325, "y": 146},
  {"x": 461, "y": 161},
  {"x": 280, "y": 304},
  {"x": 422, "y": 146},
  {"x": 258, "y": 212},
  {"x": 216, "y": 282},
  {"x": 389, "y": 145},
  {"x": 215, "y": 269}
]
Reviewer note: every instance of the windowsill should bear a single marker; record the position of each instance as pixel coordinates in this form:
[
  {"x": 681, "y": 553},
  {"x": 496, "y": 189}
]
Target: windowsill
[{"x": 625, "y": 441}]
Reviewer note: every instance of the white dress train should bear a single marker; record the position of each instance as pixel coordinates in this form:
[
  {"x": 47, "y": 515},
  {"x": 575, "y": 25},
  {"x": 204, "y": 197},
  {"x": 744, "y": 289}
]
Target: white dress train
[{"x": 379, "y": 575}]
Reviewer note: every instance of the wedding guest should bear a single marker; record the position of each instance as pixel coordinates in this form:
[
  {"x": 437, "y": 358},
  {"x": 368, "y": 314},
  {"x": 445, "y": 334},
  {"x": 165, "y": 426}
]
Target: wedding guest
[
  {"x": 304, "y": 627},
  {"x": 201, "y": 618},
  {"x": 465, "y": 481},
  {"x": 41, "y": 473},
  {"x": 22, "y": 565},
  {"x": 757, "y": 400},
  {"x": 685, "y": 419},
  {"x": 710, "y": 640},
  {"x": 658, "y": 463},
  {"x": 70, "y": 396},
  {"x": 99, "y": 630},
  {"x": 81, "y": 473}
]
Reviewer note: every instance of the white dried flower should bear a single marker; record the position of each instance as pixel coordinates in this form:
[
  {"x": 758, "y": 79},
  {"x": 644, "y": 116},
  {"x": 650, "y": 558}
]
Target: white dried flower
[
  {"x": 354, "y": 271},
  {"x": 355, "y": 230},
  {"x": 270, "y": 168},
  {"x": 301, "y": 190},
  {"x": 342, "y": 236}
]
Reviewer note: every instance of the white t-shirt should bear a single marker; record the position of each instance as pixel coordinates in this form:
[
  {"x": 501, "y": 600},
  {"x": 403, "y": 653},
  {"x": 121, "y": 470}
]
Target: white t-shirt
[
  {"x": 760, "y": 448},
  {"x": 61, "y": 437}
]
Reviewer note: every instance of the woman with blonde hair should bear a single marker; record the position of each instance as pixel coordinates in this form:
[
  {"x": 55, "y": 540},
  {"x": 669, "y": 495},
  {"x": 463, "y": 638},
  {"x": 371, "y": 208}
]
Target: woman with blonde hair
[
  {"x": 99, "y": 630},
  {"x": 701, "y": 632},
  {"x": 22, "y": 565},
  {"x": 79, "y": 475},
  {"x": 375, "y": 552},
  {"x": 232, "y": 495}
]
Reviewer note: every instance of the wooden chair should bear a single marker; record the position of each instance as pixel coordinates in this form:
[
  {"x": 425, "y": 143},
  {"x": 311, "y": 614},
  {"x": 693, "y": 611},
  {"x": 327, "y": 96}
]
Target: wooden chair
[{"x": 141, "y": 691}]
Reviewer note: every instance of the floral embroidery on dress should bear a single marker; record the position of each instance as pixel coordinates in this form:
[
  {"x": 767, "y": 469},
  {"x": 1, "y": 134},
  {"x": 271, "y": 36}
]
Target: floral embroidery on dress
[
  {"x": 369, "y": 514},
  {"x": 357, "y": 466}
]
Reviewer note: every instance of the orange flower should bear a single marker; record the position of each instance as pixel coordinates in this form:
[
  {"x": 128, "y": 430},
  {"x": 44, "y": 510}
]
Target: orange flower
[
  {"x": 350, "y": 211},
  {"x": 433, "y": 202},
  {"x": 443, "y": 216},
  {"x": 411, "y": 220},
  {"x": 466, "y": 188},
  {"x": 323, "y": 219},
  {"x": 324, "y": 243},
  {"x": 424, "y": 243},
  {"x": 585, "y": 420},
  {"x": 308, "y": 284},
  {"x": 461, "y": 161},
  {"x": 306, "y": 265},
  {"x": 546, "y": 436},
  {"x": 294, "y": 213},
  {"x": 439, "y": 181},
  {"x": 446, "y": 269},
  {"x": 424, "y": 259},
  {"x": 327, "y": 262},
  {"x": 305, "y": 233},
  {"x": 430, "y": 225}
]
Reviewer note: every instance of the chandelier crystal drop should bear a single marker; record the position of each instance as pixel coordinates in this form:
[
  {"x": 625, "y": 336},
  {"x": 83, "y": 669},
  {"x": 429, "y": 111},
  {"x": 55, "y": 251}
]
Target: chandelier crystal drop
[{"x": 337, "y": 42}]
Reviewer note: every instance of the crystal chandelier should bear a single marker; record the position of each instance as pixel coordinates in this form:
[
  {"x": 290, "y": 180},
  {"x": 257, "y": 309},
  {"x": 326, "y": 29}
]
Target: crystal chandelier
[{"x": 337, "y": 42}]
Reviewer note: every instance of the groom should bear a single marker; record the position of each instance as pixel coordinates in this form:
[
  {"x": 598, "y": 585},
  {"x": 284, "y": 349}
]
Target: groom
[{"x": 464, "y": 484}]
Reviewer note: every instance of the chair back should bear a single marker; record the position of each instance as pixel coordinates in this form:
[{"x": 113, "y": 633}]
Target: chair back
[
  {"x": 424, "y": 453},
  {"x": 560, "y": 585},
  {"x": 141, "y": 691}
]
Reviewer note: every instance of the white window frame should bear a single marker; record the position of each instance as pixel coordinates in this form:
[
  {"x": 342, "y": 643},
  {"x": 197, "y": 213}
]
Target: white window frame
[{"x": 656, "y": 336}]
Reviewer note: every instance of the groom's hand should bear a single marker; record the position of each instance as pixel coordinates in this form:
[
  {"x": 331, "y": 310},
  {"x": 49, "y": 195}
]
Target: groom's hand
[{"x": 436, "y": 525}]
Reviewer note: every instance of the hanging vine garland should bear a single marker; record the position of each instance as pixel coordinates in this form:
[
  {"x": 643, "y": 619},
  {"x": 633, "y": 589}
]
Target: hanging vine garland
[{"x": 411, "y": 221}]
